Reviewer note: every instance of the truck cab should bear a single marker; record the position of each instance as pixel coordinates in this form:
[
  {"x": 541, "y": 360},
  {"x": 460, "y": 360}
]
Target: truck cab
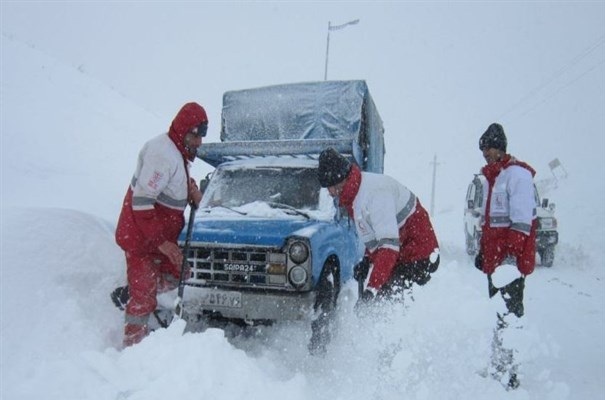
[{"x": 268, "y": 243}]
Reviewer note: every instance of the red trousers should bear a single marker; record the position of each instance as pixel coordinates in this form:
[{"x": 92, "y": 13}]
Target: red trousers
[{"x": 148, "y": 275}]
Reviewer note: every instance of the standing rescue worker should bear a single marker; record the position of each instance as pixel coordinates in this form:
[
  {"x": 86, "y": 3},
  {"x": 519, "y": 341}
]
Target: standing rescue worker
[
  {"x": 152, "y": 216},
  {"x": 509, "y": 232},
  {"x": 401, "y": 246}
]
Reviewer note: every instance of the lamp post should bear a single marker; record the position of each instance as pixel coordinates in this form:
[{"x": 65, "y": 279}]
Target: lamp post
[{"x": 334, "y": 28}]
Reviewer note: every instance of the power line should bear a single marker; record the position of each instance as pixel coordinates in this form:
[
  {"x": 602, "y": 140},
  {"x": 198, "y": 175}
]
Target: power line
[
  {"x": 564, "y": 87},
  {"x": 599, "y": 42}
]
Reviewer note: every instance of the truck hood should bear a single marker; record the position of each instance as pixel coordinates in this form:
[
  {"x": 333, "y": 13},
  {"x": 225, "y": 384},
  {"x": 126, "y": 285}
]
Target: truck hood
[{"x": 256, "y": 232}]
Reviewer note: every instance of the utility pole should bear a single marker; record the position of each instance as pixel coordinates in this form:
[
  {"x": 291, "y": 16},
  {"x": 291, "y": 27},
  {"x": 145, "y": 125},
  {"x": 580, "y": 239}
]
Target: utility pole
[
  {"x": 434, "y": 163},
  {"x": 334, "y": 28}
]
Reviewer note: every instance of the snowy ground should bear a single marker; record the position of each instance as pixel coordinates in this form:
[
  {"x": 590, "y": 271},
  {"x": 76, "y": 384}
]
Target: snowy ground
[
  {"x": 69, "y": 145},
  {"x": 61, "y": 334}
]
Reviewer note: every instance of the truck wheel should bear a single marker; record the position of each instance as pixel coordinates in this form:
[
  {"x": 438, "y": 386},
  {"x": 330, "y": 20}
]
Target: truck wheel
[
  {"x": 547, "y": 256},
  {"x": 327, "y": 291}
]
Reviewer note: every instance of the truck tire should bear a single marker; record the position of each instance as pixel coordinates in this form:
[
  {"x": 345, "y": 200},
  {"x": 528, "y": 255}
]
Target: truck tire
[
  {"x": 547, "y": 256},
  {"x": 326, "y": 297}
]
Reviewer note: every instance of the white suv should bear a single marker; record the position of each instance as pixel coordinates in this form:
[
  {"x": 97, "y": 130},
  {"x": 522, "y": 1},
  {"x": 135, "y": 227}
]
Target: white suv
[{"x": 547, "y": 236}]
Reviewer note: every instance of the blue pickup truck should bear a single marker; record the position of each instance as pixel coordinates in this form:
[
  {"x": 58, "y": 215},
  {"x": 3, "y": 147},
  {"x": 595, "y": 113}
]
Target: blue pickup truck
[{"x": 268, "y": 243}]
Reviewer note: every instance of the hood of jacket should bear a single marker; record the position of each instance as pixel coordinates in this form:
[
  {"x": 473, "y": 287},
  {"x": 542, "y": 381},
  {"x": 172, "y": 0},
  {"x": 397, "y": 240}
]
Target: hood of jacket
[{"x": 188, "y": 117}]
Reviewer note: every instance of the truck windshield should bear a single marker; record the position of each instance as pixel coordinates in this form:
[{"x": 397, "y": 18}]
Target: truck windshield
[{"x": 297, "y": 187}]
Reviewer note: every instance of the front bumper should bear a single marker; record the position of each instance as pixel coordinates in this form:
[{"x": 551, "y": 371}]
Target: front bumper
[{"x": 248, "y": 305}]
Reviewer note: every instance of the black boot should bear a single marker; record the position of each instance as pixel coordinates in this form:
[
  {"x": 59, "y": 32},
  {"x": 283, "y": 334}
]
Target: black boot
[
  {"x": 513, "y": 296},
  {"x": 513, "y": 382},
  {"x": 120, "y": 297}
]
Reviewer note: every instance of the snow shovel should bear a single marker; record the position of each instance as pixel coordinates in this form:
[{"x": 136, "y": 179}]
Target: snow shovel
[{"x": 178, "y": 310}]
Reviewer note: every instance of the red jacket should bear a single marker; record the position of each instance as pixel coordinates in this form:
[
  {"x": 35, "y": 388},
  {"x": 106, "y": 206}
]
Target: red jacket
[
  {"x": 509, "y": 231},
  {"x": 152, "y": 211},
  {"x": 390, "y": 220}
]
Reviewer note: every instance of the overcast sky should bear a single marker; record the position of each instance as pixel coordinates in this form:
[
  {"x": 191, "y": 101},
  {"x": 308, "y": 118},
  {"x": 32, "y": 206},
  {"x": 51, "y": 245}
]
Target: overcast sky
[{"x": 439, "y": 72}]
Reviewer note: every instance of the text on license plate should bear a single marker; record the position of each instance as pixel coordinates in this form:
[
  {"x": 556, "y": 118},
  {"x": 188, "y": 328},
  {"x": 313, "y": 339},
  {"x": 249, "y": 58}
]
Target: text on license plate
[{"x": 222, "y": 299}]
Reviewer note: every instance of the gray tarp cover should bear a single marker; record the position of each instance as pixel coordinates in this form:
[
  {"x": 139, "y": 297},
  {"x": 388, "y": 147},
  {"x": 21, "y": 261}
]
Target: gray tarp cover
[
  {"x": 313, "y": 110},
  {"x": 300, "y": 119}
]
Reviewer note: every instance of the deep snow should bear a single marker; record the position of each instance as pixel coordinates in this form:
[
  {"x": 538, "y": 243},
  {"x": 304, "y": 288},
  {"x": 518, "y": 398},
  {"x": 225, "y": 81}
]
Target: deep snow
[
  {"x": 61, "y": 334},
  {"x": 69, "y": 145}
]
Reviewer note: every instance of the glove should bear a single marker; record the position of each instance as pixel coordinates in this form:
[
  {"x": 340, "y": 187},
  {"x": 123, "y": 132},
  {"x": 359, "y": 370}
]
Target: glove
[
  {"x": 422, "y": 277},
  {"x": 479, "y": 261},
  {"x": 414, "y": 273},
  {"x": 194, "y": 195},
  {"x": 360, "y": 271}
]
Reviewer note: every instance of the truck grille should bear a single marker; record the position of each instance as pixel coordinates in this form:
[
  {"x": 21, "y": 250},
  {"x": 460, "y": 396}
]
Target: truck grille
[{"x": 243, "y": 267}]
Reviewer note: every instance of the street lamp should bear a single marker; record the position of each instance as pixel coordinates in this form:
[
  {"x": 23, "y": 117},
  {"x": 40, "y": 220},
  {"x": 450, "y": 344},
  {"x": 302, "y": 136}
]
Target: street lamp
[{"x": 334, "y": 28}]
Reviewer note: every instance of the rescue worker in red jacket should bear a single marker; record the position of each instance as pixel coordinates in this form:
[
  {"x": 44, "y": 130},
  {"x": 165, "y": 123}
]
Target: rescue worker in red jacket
[
  {"x": 401, "y": 246},
  {"x": 152, "y": 216},
  {"x": 509, "y": 232},
  {"x": 510, "y": 223}
]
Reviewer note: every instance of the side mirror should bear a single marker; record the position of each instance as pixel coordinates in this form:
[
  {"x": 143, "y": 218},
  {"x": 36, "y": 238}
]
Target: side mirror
[
  {"x": 551, "y": 207},
  {"x": 470, "y": 204},
  {"x": 204, "y": 183},
  {"x": 544, "y": 203}
]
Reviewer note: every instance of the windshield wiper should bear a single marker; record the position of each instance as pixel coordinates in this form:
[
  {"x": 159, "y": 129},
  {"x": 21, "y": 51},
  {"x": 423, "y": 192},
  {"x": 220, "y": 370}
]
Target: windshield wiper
[
  {"x": 208, "y": 209},
  {"x": 289, "y": 208}
]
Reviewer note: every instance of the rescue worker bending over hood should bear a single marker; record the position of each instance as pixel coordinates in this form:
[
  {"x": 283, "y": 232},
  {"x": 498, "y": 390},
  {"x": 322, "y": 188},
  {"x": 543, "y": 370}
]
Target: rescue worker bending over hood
[{"x": 401, "y": 246}]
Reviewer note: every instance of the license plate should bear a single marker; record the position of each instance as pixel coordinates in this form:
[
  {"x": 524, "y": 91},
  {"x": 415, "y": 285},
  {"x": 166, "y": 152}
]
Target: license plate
[
  {"x": 221, "y": 298},
  {"x": 235, "y": 267}
]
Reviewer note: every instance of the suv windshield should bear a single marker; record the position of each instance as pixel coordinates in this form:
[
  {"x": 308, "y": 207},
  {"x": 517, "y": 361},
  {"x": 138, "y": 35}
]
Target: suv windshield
[{"x": 297, "y": 187}]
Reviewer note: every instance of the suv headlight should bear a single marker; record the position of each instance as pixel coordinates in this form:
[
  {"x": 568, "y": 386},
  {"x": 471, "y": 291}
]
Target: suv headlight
[{"x": 298, "y": 252}]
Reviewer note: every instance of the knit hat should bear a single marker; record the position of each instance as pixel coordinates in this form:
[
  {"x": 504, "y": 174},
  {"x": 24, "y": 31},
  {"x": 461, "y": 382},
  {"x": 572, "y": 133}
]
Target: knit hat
[
  {"x": 333, "y": 168},
  {"x": 493, "y": 138}
]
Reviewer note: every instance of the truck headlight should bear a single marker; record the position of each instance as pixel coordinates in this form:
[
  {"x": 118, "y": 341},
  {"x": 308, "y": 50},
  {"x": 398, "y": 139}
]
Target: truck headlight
[
  {"x": 298, "y": 276},
  {"x": 299, "y": 252}
]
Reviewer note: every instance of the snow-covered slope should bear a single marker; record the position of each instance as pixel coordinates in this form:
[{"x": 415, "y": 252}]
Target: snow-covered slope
[{"x": 60, "y": 126}]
